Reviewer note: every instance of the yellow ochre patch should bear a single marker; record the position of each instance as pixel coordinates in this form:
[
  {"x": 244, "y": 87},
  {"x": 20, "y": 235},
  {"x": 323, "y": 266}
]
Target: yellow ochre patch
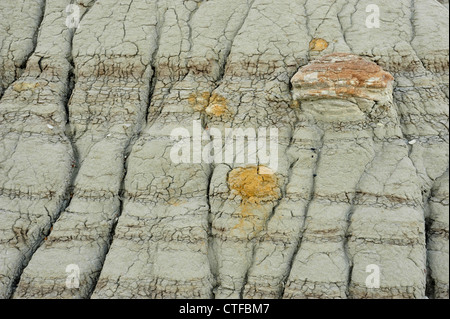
[
  {"x": 256, "y": 185},
  {"x": 213, "y": 105},
  {"x": 217, "y": 106},
  {"x": 199, "y": 101},
  {"x": 23, "y": 86},
  {"x": 318, "y": 44}
]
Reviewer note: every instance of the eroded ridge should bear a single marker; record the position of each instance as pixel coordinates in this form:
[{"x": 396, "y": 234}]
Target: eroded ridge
[{"x": 352, "y": 106}]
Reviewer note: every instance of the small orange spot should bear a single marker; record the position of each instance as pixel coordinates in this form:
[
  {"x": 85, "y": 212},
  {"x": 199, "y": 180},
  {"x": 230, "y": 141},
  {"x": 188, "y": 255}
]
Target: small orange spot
[
  {"x": 199, "y": 102},
  {"x": 24, "y": 86},
  {"x": 176, "y": 202},
  {"x": 212, "y": 105},
  {"x": 217, "y": 106}
]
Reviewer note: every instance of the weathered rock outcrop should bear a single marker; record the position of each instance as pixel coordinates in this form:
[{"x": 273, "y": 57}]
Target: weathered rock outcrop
[{"x": 345, "y": 172}]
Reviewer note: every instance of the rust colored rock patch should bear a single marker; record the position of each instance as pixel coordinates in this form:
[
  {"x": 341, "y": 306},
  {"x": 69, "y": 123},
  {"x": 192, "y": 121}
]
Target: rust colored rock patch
[{"x": 342, "y": 75}]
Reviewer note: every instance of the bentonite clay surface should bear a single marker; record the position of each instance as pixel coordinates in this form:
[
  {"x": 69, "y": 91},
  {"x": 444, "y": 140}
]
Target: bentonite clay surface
[{"x": 92, "y": 204}]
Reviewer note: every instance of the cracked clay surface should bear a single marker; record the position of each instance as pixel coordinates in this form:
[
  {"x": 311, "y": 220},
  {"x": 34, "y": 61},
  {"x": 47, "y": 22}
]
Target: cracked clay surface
[{"x": 87, "y": 178}]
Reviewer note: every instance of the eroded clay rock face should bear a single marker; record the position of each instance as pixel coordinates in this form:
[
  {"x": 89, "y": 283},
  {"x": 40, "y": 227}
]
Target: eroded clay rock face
[
  {"x": 345, "y": 123},
  {"x": 342, "y": 75},
  {"x": 344, "y": 87},
  {"x": 349, "y": 101}
]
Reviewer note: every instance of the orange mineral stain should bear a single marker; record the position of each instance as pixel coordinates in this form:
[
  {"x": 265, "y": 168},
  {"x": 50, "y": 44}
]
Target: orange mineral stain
[
  {"x": 318, "y": 44},
  {"x": 217, "y": 106},
  {"x": 199, "y": 101},
  {"x": 256, "y": 185},
  {"x": 213, "y": 105}
]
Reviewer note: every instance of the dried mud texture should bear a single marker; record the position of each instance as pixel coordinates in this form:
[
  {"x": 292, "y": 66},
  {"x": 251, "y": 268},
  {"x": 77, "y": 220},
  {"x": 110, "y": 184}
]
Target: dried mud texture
[{"x": 87, "y": 178}]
